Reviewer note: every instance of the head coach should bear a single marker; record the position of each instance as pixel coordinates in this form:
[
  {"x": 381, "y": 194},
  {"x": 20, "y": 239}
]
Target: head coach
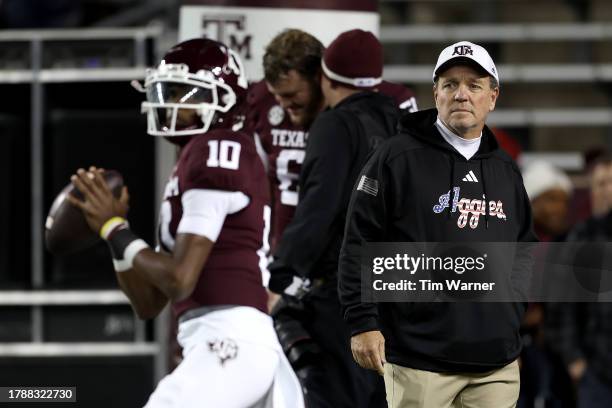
[{"x": 413, "y": 189}]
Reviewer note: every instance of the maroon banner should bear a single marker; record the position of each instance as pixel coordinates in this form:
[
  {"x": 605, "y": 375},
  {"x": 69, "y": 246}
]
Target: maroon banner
[{"x": 348, "y": 5}]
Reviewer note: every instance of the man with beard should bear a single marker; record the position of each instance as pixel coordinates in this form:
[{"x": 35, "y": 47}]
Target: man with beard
[
  {"x": 281, "y": 109},
  {"x": 341, "y": 137},
  {"x": 283, "y": 106}
]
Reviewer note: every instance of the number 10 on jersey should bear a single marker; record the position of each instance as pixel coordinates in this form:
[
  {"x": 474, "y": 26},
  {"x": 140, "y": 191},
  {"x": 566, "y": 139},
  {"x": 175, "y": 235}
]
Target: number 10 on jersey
[{"x": 224, "y": 154}]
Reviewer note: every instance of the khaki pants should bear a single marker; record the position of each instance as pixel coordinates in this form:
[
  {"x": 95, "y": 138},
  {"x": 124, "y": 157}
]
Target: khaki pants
[{"x": 411, "y": 388}]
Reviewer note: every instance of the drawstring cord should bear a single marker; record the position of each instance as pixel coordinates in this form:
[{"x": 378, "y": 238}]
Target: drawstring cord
[
  {"x": 450, "y": 188},
  {"x": 484, "y": 191}
]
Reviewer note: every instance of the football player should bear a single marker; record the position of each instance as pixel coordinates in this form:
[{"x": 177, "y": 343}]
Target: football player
[
  {"x": 281, "y": 109},
  {"x": 213, "y": 231}
]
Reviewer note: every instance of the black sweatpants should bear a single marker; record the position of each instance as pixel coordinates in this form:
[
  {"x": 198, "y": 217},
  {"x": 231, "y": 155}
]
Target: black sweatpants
[{"x": 335, "y": 380}]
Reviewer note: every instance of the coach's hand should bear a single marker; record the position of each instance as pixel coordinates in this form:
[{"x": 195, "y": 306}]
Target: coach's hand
[{"x": 369, "y": 350}]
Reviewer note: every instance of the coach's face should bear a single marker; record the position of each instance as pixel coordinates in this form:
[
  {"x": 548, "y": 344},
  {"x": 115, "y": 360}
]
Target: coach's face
[
  {"x": 301, "y": 97},
  {"x": 464, "y": 98}
]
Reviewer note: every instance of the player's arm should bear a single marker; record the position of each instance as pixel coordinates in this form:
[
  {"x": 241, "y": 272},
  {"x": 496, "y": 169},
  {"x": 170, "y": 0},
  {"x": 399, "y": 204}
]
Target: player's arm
[
  {"x": 148, "y": 278},
  {"x": 147, "y": 301},
  {"x": 204, "y": 212},
  {"x": 156, "y": 278}
]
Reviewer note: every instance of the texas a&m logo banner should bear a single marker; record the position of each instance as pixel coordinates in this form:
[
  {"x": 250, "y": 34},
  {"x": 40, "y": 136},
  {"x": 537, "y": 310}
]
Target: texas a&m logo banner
[{"x": 248, "y": 26}]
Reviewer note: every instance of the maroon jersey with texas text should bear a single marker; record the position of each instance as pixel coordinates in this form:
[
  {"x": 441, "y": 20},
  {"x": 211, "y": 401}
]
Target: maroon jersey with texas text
[
  {"x": 228, "y": 161},
  {"x": 285, "y": 146}
]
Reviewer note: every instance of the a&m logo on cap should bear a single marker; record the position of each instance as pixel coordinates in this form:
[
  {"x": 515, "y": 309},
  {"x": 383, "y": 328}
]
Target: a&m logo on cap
[{"x": 463, "y": 50}]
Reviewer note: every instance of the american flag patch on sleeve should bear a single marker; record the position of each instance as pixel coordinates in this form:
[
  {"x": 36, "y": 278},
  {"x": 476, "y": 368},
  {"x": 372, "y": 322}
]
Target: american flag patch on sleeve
[{"x": 368, "y": 185}]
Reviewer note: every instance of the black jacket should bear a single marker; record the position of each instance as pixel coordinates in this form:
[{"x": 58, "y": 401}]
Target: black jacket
[
  {"x": 339, "y": 143},
  {"x": 417, "y": 174},
  {"x": 584, "y": 329}
]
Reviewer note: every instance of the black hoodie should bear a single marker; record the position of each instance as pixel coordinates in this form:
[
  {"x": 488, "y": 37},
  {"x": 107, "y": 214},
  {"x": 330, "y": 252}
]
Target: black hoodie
[
  {"x": 414, "y": 180},
  {"x": 339, "y": 143}
]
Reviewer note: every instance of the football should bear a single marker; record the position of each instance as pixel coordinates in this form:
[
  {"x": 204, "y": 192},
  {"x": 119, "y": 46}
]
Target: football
[{"x": 66, "y": 230}]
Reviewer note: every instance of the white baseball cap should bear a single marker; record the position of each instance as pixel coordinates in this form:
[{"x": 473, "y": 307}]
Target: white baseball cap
[
  {"x": 541, "y": 176},
  {"x": 467, "y": 50}
]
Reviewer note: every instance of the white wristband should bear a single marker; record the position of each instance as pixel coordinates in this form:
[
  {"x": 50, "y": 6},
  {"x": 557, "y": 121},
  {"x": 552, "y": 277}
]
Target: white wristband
[{"x": 129, "y": 254}]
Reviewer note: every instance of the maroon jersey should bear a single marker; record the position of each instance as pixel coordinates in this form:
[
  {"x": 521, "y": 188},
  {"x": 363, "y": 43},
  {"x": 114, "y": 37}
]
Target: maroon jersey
[
  {"x": 227, "y": 161},
  {"x": 404, "y": 97},
  {"x": 285, "y": 146}
]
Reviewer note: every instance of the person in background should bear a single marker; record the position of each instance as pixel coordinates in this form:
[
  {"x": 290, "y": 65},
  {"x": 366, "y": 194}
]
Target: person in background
[
  {"x": 282, "y": 108},
  {"x": 581, "y": 333},
  {"x": 306, "y": 259},
  {"x": 549, "y": 190},
  {"x": 600, "y": 182}
]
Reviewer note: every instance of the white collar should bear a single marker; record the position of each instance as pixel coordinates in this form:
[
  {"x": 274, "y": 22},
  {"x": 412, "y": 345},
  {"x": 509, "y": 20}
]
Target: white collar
[{"x": 467, "y": 147}]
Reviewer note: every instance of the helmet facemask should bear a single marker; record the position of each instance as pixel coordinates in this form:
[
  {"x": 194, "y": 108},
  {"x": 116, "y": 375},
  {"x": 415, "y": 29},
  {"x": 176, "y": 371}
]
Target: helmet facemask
[{"x": 180, "y": 103}]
